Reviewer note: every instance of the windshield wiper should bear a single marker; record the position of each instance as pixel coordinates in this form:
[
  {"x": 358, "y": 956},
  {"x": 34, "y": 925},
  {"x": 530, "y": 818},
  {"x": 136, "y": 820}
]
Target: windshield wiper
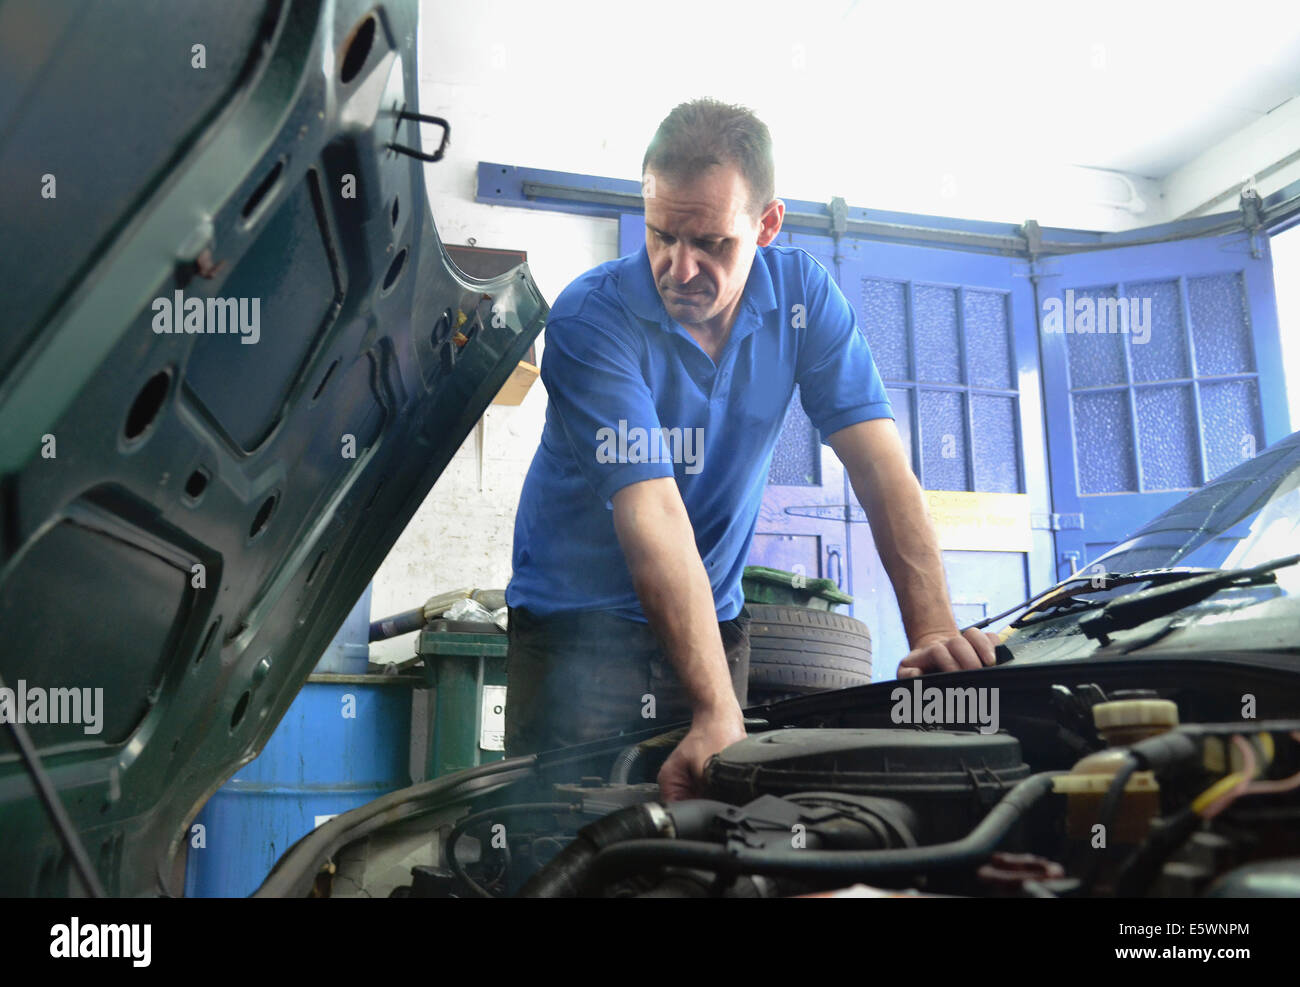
[
  {"x": 1056, "y": 602},
  {"x": 1134, "y": 610}
]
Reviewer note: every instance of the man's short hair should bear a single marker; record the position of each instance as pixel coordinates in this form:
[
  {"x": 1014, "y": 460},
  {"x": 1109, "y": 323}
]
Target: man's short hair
[{"x": 702, "y": 133}]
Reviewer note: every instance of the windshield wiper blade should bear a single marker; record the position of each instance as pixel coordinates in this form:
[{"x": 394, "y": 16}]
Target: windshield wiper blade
[
  {"x": 1046, "y": 602},
  {"x": 1132, "y": 611}
]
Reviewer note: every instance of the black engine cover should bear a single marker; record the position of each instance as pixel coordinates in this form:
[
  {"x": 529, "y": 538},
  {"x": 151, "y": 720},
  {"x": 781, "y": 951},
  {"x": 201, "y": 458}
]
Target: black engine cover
[{"x": 950, "y": 779}]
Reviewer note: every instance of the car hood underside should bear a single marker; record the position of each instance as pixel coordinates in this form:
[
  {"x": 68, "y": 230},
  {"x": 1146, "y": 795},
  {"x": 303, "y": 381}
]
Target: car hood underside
[{"x": 236, "y": 358}]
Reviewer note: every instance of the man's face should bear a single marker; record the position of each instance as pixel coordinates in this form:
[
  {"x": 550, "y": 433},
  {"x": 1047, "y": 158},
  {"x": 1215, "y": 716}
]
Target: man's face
[{"x": 701, "y": 235}]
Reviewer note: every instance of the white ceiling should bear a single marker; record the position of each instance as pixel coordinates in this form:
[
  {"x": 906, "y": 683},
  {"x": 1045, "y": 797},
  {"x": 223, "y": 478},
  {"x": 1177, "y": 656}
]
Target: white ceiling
[
  {"x": 980, "y": 109},
  {"x": 1133, "y": 85},
  {"x": 1138, "y": 87}
]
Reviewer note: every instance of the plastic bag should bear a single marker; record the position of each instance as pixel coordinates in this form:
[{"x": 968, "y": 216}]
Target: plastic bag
[{"x": 470, "y": 611}]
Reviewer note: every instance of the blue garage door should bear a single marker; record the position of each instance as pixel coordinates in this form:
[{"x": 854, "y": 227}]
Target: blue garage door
[
  {"x": 953, "y": 334},
  {"x": 1162, "y": 369}
]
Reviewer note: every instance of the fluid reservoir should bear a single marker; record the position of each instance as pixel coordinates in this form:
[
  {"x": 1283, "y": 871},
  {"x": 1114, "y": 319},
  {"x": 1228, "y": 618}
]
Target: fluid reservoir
[
  {"x": 1120, "y": 723},
  {"x": 1126, "y": 721}
]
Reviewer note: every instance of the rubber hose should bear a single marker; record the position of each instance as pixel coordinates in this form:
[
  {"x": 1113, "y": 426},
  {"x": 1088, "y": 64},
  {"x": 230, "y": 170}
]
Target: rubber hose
[
  {"x": 565, "y": 875},
  {"x": 636, "y": 853},
  {"x": 568, "y": 874}
]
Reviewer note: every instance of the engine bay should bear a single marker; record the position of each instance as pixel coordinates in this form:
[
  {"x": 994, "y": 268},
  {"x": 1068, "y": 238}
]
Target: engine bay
[{"x": 1160, "y": 782}]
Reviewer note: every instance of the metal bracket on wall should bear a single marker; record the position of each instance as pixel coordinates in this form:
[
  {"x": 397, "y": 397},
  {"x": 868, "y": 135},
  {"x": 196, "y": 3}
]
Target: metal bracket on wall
[
  {"x": 1252, "y": 215},
  {"x": 839, "y": 213},
  {"x": 839, "y": 210},
  {"x": 1035, "y": 266}
]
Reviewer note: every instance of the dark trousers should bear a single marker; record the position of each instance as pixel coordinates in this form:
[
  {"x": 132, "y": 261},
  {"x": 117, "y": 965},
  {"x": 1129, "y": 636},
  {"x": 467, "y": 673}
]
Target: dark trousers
[{"x": 582, "y": 676}]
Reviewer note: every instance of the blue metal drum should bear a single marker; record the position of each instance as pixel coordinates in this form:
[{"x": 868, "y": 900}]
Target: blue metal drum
[{"x": 341, "y": 744}]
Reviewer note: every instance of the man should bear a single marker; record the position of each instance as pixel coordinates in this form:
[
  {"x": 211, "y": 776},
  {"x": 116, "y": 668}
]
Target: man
[{"x": 668, "y": 374}]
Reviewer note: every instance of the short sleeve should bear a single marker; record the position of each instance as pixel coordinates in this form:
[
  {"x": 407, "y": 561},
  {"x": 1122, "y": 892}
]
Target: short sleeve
[
  {"x": 597, "y": 392},
  {"x": 839, "y": 384}
]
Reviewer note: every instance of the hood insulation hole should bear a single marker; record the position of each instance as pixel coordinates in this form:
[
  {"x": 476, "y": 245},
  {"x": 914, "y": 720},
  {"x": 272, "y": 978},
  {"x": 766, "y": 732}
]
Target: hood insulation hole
[
  {"x": 260, "y": 193},
  {"x": 196, "y": 484},
  {"x": 395, "y": 270},
  {"x": 354, "y": 59},
  {"x": 147, "y": 404},
  {"x": 263, "y": 515},
  {"x": 241, "y": 708}
]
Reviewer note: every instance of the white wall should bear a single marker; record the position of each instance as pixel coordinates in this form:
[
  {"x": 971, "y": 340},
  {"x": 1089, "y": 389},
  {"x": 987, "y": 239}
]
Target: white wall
[
  {"x": 920, "y": 108},
  {"x": 462, "y": 534}
]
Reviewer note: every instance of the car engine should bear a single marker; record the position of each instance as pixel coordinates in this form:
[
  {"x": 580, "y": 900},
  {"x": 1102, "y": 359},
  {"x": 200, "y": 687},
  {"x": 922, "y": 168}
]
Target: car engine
[{"x": 1081, "y": 793}]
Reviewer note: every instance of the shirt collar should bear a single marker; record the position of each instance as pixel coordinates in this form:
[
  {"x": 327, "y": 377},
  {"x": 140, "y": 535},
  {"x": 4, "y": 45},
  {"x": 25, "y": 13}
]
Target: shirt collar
[{"x": 639, "y": 293}]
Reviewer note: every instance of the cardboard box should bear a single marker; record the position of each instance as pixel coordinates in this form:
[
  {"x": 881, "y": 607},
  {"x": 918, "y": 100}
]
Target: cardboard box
[{"x": 517, "y": 384}]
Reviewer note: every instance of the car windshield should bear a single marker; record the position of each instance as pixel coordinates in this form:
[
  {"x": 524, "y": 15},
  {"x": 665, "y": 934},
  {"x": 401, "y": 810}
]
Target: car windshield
[{"x": 1248, "y": 516}]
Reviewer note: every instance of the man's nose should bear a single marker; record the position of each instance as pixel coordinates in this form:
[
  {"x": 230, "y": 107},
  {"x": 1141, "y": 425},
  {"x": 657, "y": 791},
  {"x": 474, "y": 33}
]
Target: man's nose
[{"x": 684, "y": 268}]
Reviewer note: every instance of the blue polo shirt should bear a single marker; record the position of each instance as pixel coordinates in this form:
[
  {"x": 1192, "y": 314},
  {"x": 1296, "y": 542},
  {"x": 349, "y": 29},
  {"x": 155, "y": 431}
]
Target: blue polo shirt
[{"x": 632, "y": 396}]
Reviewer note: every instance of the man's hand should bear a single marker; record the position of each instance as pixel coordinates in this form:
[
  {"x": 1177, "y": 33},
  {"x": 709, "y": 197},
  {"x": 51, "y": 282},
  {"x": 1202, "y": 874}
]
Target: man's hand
[
  {"x": 682, "y": 776},
  {"x": 950, "y": 652}
]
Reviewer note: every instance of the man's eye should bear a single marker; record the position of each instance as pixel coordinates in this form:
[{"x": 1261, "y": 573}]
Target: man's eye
[{"x": 664, "y": 238}]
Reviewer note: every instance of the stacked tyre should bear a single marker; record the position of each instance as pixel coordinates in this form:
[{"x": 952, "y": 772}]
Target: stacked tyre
[{"x": 794, "y": 651}]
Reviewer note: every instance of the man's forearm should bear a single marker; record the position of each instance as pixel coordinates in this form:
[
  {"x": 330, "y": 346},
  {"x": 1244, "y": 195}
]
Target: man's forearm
[
  {"x": 909, "y": 549},
  {"x": 905, "y": 538},
  {"x": 673, "y": 587},
  {"x": 658, "y": 542}
]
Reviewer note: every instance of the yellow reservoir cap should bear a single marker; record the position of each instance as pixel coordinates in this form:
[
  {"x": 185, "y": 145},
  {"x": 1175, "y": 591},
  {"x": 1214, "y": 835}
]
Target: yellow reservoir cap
[
  {"x": 1129, "y": 721},
  {"x": 1160, "y": 714}
]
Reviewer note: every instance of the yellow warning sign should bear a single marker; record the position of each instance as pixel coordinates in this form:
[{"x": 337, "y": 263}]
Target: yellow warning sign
[{"x": 980, "y": 522}]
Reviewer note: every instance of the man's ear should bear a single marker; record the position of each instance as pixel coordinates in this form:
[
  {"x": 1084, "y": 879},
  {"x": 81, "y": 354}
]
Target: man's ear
[{"x": 769, "y": 223}]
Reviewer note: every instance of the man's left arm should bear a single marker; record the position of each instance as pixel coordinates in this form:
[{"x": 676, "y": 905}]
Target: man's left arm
[
  {"x": 909, "y": 548},
  {"x": 844, "y": 396}
]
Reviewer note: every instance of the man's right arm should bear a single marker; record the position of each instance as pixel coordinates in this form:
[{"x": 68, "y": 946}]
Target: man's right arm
[
  {"x": 658, "y": 543},
  {"x": 595, "y": 382}
]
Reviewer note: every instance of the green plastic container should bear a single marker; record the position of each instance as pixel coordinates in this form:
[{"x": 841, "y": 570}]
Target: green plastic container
[
  {"x": 467, "y": 715},
  {"x": 789, "y": 589}
]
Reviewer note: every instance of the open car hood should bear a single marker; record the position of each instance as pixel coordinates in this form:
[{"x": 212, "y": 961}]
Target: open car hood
[{"x": 188, "y": 513}]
